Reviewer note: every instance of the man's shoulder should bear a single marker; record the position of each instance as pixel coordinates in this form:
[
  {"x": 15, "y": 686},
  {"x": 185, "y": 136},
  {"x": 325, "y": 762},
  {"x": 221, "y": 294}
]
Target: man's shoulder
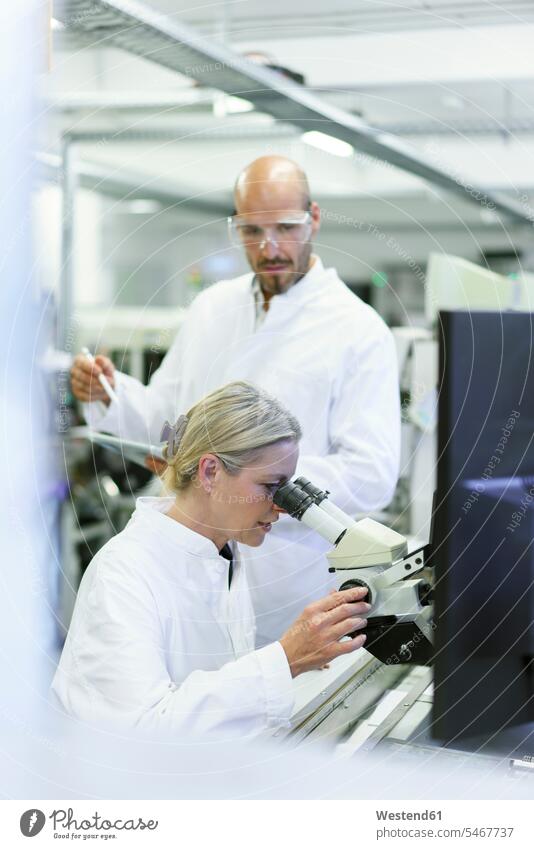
[
  {"x": 353, "y": 310},
  {"x": 223, "y": 291}
]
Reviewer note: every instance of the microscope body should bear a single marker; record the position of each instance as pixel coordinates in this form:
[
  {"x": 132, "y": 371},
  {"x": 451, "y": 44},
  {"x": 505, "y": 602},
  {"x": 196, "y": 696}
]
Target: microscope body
[
  {"x": 366, "y": 553},
  {"x": 399, "y": 628}
]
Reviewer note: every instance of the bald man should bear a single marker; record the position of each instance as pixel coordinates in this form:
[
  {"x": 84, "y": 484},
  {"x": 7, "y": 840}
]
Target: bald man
[{"x": 294, "y": 328}]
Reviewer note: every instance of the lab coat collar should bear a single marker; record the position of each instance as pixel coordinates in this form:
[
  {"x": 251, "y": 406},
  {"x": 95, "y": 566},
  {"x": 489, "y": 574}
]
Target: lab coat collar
[
  {"x": 153, "y": 510},
  {"x": 314, "y": 277}
]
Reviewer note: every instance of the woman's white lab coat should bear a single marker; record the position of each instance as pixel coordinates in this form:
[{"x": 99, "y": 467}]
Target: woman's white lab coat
[{"x": 158, "y": 641}]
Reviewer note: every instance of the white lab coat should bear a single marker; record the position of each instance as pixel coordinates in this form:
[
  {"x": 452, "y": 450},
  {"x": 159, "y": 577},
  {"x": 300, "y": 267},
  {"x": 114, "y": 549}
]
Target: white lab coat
[
  {"x": 331, "y": 360},
  {"x": 157, "y": 640}
]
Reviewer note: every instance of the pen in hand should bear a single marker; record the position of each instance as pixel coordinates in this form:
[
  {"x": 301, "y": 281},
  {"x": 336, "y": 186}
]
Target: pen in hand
[{"x": 102, "y": 379}]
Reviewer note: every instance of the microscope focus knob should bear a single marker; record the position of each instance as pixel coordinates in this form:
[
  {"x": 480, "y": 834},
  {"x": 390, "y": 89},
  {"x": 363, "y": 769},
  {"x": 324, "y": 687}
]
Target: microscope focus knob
[{"x": 354, "y": 582}]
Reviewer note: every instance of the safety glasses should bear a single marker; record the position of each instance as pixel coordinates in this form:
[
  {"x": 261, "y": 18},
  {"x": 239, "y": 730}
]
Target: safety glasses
[{"x": 293, "y": 227}]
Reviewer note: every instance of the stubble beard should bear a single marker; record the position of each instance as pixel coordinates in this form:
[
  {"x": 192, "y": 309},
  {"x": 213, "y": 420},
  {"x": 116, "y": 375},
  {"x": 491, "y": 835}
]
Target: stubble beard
[{"x": 277, "y": 284}]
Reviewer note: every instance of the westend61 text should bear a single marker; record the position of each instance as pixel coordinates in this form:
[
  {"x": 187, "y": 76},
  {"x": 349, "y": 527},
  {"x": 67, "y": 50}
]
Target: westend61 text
[{"x": 408, "y": 815}]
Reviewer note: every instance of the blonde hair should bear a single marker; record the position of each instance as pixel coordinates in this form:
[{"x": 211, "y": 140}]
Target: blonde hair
[{"x": 234, "y": 423}]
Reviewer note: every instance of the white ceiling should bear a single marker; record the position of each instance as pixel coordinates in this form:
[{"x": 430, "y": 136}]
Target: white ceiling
[
  {"x": 442, "y": 76},
  {"x": 284, "y": 17}
]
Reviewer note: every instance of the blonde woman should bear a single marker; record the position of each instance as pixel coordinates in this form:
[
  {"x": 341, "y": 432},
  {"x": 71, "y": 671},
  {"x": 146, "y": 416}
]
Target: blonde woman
[{"x": 162, "y": 635}]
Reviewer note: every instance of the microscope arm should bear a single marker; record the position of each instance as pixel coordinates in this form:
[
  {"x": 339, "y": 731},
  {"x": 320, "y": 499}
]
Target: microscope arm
[{"x": 409, "y": 565}]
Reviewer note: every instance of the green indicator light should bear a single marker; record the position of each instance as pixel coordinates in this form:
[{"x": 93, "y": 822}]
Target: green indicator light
[{"x": 379, "y": 278}]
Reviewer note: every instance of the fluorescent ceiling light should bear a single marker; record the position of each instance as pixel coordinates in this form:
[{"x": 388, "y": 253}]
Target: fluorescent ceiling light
[
  {"x": 55, "y": 24},
  {"x": 328, "y": 143},
  {"x": 228, "y": 104},
  {"x": 238, "y": 104},
  {"x": 142, "y": 206}
]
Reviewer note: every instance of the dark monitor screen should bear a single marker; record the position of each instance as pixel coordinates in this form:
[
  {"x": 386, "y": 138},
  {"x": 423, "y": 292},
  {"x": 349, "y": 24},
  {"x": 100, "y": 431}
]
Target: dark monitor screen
[{"x": 483, "y": 541}]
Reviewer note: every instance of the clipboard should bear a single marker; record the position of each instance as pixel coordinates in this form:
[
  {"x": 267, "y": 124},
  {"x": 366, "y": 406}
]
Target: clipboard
[{"x": 134, "y": 451}]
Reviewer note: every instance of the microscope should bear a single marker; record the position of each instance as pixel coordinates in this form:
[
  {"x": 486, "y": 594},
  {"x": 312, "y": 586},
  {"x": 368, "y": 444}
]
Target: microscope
[{"x": 368, "y": 554}]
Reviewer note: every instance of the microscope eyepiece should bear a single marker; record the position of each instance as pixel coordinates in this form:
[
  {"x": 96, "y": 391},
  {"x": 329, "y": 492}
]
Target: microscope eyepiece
[
  {"x": 317, "y": 494},
  {"x": 304, "y": 506},
  {"x": 291, "y": 498}
]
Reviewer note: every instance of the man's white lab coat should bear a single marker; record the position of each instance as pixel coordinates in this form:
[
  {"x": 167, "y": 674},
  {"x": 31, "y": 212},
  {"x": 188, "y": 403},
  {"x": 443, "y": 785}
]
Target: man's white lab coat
[
  {"x": 331, "y": 360},
  {"x": 159, "y": 642}
]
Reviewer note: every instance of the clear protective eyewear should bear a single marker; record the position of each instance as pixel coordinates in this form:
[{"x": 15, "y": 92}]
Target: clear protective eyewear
[{"x": 293, "y": 228}]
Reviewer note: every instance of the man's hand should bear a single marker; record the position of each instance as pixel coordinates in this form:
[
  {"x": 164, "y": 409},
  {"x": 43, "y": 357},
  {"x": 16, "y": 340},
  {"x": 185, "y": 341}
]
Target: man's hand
[
  {"x": 84, "y": 378},
  {"x": 155, "y": 464},
  {"x": 313, "y": 639}
]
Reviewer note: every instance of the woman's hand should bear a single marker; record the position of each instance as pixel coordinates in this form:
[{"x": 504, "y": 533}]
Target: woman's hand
[{"x": 313, "y": 639}]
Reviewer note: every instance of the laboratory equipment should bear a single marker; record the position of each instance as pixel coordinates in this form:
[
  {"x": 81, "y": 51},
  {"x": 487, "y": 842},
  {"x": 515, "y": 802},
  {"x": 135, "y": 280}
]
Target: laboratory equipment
[
  {"x": 484, "y": 527},
  {"x": 369, "y": 554}
]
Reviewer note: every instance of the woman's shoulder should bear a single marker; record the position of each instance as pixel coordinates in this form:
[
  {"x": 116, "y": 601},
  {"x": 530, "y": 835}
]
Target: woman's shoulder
[
  {"x": 148, "y": 550},
  {"x": 122, "y": 559},
  {"x": 132, "y": 552},
  {"x": 153, "y": 559}
]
